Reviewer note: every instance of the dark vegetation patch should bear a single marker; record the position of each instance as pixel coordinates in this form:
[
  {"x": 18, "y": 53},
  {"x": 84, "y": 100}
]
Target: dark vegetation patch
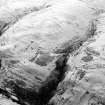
[
  {"x": 81, "y": 74},
  {"x": 87, "y": 58},
  {"x": 20, "y": 83},
  {"x": 92, "y": 51},
  {"x": 70, "y": 46},
  {"x": 3, "y": 25},
  {"x": 95, "y": 100},
  {"x": 0, "y": 63}
]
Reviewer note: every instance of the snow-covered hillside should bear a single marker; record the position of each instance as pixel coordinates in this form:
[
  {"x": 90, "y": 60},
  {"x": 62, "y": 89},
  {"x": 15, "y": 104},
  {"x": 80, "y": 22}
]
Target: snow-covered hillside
[{"x": 52, "y": 51}]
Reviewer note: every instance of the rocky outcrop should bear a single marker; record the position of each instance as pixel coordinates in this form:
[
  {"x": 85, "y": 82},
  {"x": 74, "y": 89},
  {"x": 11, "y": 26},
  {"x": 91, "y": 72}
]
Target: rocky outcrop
[{"x": 46, "y": 48}]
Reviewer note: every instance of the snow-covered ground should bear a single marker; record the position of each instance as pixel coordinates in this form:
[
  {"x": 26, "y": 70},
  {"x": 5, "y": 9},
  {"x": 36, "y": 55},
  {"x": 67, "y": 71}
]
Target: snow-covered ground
[{"x": 35, "y": 33}]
